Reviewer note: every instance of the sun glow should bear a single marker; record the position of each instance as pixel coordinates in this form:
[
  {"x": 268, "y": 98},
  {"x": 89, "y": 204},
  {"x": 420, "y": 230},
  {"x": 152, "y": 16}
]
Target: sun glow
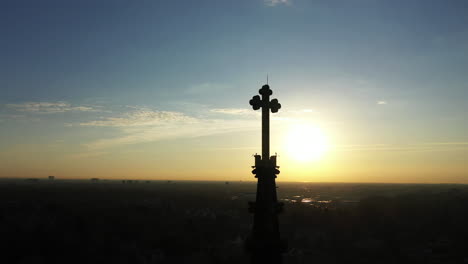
[{"x": 305, "y": 142}]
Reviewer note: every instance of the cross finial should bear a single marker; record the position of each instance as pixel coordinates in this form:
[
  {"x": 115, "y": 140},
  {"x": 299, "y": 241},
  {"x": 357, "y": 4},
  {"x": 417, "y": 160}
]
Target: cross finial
[{"x": 257, "y": 103}]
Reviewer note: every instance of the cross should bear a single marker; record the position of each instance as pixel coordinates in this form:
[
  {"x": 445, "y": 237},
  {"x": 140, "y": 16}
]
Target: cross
[{"x": 266, "y": 105}]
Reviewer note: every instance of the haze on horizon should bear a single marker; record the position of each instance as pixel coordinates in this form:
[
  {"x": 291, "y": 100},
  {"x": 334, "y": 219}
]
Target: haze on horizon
[{"x": 160, "y": 89}]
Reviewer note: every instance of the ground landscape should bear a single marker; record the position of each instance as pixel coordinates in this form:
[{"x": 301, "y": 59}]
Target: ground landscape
[{"x": 107, "y": 221}]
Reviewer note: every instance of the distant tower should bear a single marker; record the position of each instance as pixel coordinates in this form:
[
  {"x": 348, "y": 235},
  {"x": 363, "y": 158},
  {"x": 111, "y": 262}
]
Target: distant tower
[{"x": 265, "y": 244}]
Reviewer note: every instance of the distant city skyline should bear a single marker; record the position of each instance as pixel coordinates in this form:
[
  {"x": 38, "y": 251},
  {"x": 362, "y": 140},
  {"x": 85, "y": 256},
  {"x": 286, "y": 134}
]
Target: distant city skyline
[{"x": 160, "y": 89}]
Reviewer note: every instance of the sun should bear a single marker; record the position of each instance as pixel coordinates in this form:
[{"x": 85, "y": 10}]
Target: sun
[{"x": 306, "y": 143}]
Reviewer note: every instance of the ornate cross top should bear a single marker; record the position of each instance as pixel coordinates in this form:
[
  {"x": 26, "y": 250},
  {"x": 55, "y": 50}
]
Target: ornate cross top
[
  {"x": 266, "y": 105},
  {"x": 256, "y": 102}
]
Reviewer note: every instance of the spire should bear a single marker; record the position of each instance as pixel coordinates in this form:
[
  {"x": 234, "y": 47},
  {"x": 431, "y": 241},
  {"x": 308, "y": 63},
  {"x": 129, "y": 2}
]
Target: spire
[{"x": 264, "y": 243}]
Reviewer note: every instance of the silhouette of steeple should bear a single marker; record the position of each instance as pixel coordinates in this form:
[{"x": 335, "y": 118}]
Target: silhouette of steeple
[{"x": 265, "y": 244}]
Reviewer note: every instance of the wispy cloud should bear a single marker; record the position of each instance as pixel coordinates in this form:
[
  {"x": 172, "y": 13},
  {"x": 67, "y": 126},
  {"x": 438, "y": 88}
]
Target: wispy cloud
[
  {"x": 142, "y": 117},
  {"x": 206, "y": 87},
  {"x": 381, "y": 102},
  {"x": 173, "y": 131},
  {"x": 277, "y": 2},
  {"x": 84, "y": 155},
  {"x": 235, "y": 111},
  {"x": 300, "y": 111},
  {"x": 414, "y": 147},
  {"x": 49, "y": 107},
  {"x": 146, "y": 125},
  {"x": 286, "y": 114}
]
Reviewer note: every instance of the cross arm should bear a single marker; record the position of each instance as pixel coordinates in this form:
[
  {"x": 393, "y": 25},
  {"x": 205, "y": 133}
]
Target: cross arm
[
  {"x": 274, "y": 105},
  {"x": 256, "y": 102}
]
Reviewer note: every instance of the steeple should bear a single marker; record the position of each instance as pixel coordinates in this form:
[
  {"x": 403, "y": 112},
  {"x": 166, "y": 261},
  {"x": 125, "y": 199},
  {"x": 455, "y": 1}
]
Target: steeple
[{"x": 265, "y": 244}]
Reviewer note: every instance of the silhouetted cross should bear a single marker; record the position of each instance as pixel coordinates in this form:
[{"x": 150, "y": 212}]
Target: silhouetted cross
[{"x": 266, "y": 105}]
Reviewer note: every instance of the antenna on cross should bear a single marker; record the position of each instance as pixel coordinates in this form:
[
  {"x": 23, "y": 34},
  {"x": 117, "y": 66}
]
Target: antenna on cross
[{"x": 267, "y": 78}]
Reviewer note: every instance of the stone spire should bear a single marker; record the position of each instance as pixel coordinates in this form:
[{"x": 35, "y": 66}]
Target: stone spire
[{"x": 265, "y": 244}]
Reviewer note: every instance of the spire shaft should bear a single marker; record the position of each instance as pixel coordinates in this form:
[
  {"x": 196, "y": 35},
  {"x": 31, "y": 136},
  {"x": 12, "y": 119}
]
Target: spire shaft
[{"x": 265, "y": 127}]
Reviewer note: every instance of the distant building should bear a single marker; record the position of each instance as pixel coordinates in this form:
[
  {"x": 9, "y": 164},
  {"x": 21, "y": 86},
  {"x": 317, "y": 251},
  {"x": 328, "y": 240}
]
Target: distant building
[
  {"x": 51, "y": 178},
  {"x": 94, "y": 179}
]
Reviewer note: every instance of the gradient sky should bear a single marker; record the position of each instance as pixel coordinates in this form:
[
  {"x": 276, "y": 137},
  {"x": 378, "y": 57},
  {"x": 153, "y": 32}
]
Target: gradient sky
[{"x": 154, "y": 89}]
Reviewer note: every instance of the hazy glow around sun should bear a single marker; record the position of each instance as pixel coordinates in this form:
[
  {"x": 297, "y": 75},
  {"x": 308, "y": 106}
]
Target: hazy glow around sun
[{"x": 306, "y": 142}]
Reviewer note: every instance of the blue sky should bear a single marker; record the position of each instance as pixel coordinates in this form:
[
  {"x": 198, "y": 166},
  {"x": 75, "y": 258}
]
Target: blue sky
[{"x": 88, "y": 75}]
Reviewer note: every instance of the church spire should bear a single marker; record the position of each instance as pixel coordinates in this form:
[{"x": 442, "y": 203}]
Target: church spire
[{"x": 264, "y": 243}]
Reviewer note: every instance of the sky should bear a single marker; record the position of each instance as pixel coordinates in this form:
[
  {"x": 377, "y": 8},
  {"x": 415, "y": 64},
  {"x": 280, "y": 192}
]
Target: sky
[{"x": 151, "y": 89}]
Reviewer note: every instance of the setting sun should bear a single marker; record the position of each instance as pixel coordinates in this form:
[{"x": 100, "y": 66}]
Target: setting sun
[{"x": 306, "y": 142}]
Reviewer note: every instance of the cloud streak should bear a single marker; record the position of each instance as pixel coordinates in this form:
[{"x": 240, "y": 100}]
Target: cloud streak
[
  {"x": 414, "y": 147},
  {"x": 142, "y": 117},
  {"x": 207, "y": 87},
  {"x": 140, "y": 125},
  {"x": 146, "y": 125},
  {"x": 49, "y": 107},
  {"x": 277, "y": 2},
  {"x": 236, "y": 111}
]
